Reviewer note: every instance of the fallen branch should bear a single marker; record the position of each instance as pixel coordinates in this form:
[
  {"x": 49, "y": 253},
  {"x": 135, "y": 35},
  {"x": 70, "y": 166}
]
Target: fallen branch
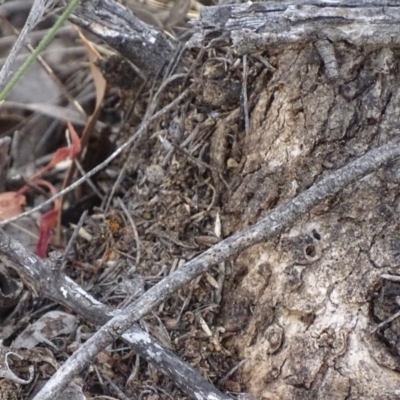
[
  {"x": 248, "y": 27},
  {"x": 58, "y": 287},
  {"x": 148, "y": 48},
  {"x": 252, "y": 27},
  {"x": 278, "y": 219}
]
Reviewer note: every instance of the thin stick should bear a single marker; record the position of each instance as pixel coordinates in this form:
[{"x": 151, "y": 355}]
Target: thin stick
[
  {"x": 385, "y": 322},
  {"x": 244, "y": 95},
  {"x": 5, "y": 143},
  {"x": 278, "y": 219},
  {"x": 72, "y": 240},
  {"x": 42, "y": 45},
  {"x": 89, "y": 181},
  {"x": 35, "y": 14},
  {"x": 48, "y": 69},
  {"x": 135, "y": 232}
]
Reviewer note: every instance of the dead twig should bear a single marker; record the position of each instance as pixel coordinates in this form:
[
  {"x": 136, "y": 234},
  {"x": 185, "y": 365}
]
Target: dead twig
[
  {"x": 135, "y": 232},
  {"x": 49, "y": 70},
  {"x": 38, "y": 9},
  {"x": 72, "y": 240},
  {"x": 244, "y": 95},
  {"x": 386, "y": 322},
  {"x": 5, "y": 143},
  {"x": 63, "y": 290},
  {"x": 393, "y": 278},
  {"x": 268, "y": 227}
]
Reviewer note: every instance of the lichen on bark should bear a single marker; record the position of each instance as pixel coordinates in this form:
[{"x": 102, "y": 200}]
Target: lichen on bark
[{"x": 312, "y": 292}]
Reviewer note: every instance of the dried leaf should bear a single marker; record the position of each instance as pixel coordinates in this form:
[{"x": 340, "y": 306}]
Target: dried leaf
[
  {"x": 99, "y": 81},
  {"x": 211, "y": 280},
  {"x": 47, "y": 327},
  {"x": 11, "y": 204},
  {"x": 62, "y": 154},
  {"x": 205, "y": 327},
  {"x": 101, "y": 86},
  {"x": 51, "y": 110}
]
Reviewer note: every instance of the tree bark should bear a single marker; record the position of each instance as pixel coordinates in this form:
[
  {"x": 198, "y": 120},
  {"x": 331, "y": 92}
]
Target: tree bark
[
  {"x": 251, "y": 27},
  {"x": 303, "y": 305},
  {"x": 148, "y": 48}
]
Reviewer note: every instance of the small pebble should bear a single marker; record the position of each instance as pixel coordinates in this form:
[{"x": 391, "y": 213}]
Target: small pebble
[{"x": 155, "y": 174}]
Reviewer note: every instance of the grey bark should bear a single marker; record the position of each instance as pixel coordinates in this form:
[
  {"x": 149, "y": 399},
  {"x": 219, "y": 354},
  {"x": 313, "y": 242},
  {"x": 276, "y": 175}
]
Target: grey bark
[
  {"x": 248, "y": 28},
  {"x": 310, "y": 299},
  {"x": 147, "y": 47},
  {"x": 252, "y": 27}
]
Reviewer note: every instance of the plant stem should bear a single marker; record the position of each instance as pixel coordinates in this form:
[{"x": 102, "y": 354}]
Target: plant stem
[{"x": 42, "y": 45}]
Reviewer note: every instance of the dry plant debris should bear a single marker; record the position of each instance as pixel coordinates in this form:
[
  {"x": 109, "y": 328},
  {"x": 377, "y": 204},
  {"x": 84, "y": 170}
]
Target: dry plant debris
[{"x": 175, "y": 192}]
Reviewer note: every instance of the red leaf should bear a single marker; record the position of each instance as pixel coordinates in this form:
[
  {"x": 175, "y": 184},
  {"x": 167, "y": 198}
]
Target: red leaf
[
  {"x": 76, "y": 142},
  {"x": 60, "y": 155},
  {"x": 63, "y": 153},
  {"x": 66, "y": 152},
  {"x": 47, "y": 223}
]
